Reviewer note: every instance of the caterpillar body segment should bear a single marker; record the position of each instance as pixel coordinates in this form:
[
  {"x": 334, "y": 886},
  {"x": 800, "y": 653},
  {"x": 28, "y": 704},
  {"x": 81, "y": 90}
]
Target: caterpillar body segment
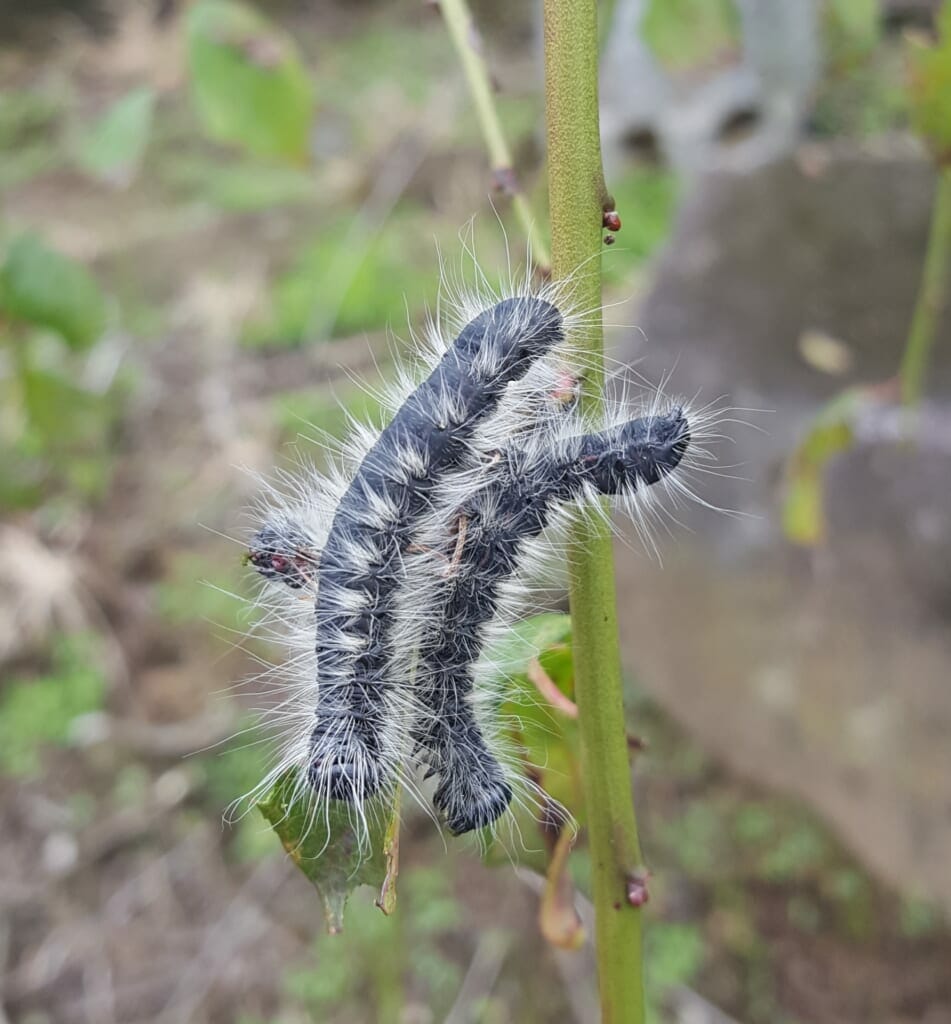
[{"x": 522, "y": 488}]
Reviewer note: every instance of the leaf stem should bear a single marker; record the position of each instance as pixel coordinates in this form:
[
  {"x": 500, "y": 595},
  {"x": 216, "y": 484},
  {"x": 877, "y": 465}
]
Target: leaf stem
[
  {"x": 577, "y": 200},
  {"x": 468, "y": 43},
  {"x": 932, "y": 294}
]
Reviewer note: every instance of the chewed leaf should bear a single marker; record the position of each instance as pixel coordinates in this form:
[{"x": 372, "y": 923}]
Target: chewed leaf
[{"x": 328, "y": 850}]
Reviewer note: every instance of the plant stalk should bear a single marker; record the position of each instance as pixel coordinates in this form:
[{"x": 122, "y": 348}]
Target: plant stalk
[
  {"x": 932, "y": 294},
  {"x": 578, "y": 198},
  {"x": 468, "y": 44}
]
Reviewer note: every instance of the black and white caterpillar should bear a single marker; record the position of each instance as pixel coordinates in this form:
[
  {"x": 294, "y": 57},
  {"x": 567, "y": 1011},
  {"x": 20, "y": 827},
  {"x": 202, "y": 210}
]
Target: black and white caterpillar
[
  {"x": 511, "y": 505},
  {"x": 391, "y": 573}
]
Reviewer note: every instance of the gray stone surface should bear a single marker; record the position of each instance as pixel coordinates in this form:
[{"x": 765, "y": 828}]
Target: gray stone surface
[{"x": 825, "y": 673}]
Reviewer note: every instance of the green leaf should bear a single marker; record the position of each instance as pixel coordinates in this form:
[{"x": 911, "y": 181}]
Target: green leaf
[
  {"x": 831, "y": 432},
  {"x": 46, "y": 289},
  {"x": 248, "y": 82},
  {"x": 930, "y": 89},
  {"x": 525, "y": 640},
  {"x": 113, "y": 148},
  {"x": 328, "y": 850},
  {"x": 690, "y": 34},
  {"x": 52, "y": 402},
  {"x": 545, "y": 734}
]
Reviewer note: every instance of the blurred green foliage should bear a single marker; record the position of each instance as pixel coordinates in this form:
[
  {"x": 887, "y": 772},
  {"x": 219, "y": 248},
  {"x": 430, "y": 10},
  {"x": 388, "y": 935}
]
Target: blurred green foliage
[
  {"x": 918, "y": 918},
  {"x": 200, "y": 591},
  {"x": 851, "y": 30},
  {"x": 239, "y": 766},
  {"x": 350, "y": 278},
  {"x": 315, "y": 413},
  {"x": 830, "y": 432},
  {"x": 369, "y": 70},
  {"x": 794, "y": 853},
  {"x": 113, "y": 148},
  {"x": 714, "y": 838},
  {"x": 389, "y": 963},
  {"x": 673, "y": 956},
  {"x": 29, "y": 142},
  {"x": 131, "y": 786},
  {"x": 232, "y": 772},
  {"x": 864, "y": 91},
  {"x": 249, "y": 84},
  {"x": 646, "y": 199},
  {"x": 58, "y": 411},
  {"x": 689, "y": 34},
  {"x": 696, "y": 837},
  {"x": 36, "y": 712},
  {"x": 244, "y": 185},
  {"x": 930, "y": 86},
  {"x": 42, "y": 288}
]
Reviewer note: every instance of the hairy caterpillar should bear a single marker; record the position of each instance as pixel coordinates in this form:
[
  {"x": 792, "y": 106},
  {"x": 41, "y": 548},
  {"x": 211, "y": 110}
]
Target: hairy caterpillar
[
  {"x": 511, "y": 506},
  {"x": 394, "y": 570},
  {"x": 355, "y": 741}
]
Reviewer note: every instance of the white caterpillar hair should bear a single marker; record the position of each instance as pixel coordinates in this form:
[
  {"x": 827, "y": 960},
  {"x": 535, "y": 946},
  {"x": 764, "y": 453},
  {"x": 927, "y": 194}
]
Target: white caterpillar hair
[{"x": 389, "y": 575}]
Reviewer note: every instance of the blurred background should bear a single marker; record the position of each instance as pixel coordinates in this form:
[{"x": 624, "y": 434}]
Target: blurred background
[{"x": 211, "y": 215}]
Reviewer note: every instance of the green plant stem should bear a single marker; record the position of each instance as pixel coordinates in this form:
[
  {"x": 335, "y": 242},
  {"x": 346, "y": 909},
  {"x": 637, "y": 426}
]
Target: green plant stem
[
  {"x": 468, "y": 43},
  {"x": 577, "y": 199},
  {"x": 932, "y": 294}
]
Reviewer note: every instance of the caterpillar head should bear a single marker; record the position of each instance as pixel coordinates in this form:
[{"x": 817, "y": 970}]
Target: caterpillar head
[
  {"x": 638, "y": 453},
  {"x": 282, "y": 553},
  {"x": 655, "y": 445}
]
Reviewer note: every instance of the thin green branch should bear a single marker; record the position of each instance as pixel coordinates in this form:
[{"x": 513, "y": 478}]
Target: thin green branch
[
  {"x": 468, "y": 43},
  {"x": 932, "y": 294},
  {"x": 577, "y": 201}
]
